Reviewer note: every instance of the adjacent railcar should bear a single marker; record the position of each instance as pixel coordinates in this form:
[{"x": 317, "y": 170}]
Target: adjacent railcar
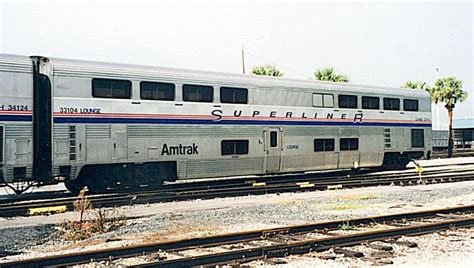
[{"x": 105, "y": 125}]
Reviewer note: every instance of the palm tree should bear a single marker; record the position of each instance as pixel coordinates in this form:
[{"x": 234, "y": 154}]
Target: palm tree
[
  {"x": 329, "y": 74},
  {"x": 268, "y": 70},
  {"x": 448, "y": 90},
  {"x": 416, "y": 85}
]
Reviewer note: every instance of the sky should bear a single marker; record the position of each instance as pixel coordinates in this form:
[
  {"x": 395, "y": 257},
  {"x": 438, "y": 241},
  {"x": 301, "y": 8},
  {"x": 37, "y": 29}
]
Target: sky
[{"x": 375, "y": 43}]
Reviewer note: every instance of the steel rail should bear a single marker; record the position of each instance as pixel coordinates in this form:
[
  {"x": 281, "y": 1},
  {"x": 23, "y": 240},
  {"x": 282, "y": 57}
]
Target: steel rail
[
  {"x": 456, "y": 154},
  {"x": 232, "y": 181},
  {"x": 302, "y": 247},
  {"x": 203, "y": 183},
  {"x": 136, "y": 250},
  {"x": 24, "y": 209},
  {"x": 330, "y": 175}
]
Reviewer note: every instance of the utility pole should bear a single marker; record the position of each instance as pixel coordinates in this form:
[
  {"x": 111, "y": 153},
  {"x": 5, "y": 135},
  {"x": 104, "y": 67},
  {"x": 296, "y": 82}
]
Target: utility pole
[
  {"x": 243, "y": 59},
  {"x": 242, "y": 47}
]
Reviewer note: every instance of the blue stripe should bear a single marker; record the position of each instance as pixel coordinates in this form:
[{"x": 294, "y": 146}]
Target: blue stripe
[
  {"x": 72, "y": 120},
  {"x": 22, "y": 118},
  {"x": 116, "y": 120}
]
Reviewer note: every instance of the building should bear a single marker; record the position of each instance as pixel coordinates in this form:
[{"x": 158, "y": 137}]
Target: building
[
  {"x": 463, "y": 129},
  {"x": 440, "y": 140}
]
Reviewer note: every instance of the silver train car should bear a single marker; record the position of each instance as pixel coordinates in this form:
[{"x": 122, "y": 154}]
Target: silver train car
[{"x": 105, "y": 125}]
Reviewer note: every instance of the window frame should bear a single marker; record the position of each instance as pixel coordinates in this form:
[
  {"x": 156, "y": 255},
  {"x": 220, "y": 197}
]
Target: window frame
[
  {"x": 385, "y": 106},
  {"x": 234, "y": 147},
  {"x": 350, "y": 144},
  {"x": 405, "y": 101},
  {"x": 185, "y": 87},
  {"x": 273, "y": 139},
  {"x": 94, "y": 88},
  {"x": 323, "y": 100},
  {"x": 348, "y": 97},
  {"x": 325, "y": 148},
  {"x": 413, "y": 137},
  {"x": 234, "y": 89},
  {"x": 142, "y": 83},
  {"x": 371, "y": 99}
]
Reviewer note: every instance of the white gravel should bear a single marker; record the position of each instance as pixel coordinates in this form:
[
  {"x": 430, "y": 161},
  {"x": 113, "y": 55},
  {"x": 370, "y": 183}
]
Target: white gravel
[{"x": 452, "y": 248}]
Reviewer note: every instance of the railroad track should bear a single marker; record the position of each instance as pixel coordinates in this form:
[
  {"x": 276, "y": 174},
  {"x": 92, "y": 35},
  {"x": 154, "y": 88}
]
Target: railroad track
[
  {"x": 269, "y": 243},
  {"x": 292, "y": 183},
  {"x": 458, "y": 153},
  {"x": 196, "y": 184}
]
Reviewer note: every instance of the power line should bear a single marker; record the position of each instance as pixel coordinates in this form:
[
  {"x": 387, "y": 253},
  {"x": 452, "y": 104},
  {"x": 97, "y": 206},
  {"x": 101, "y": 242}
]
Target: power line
[{"x": 281, "y": 66}]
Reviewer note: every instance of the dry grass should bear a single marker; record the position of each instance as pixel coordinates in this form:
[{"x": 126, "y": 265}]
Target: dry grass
[
  {"x": 181, "y": 232},
  {"x": 338, "y": 206},
  {"x": 358, "y": 197},
  {"x": 91, "y": 221}
]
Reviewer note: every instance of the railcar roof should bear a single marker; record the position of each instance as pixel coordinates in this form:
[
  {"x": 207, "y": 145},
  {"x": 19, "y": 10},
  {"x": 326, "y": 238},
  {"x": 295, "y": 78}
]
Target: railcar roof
[{"x": 141, "y": 72}]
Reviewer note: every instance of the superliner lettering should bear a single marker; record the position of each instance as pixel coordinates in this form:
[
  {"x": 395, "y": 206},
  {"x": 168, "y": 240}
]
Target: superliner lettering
[
  {"x": 179, "y": 149},
  {"x": 218, "y": 114}
]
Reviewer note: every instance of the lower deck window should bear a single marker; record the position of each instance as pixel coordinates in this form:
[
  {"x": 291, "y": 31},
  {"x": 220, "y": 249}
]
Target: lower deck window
[
  {"x": 323, "y": 145},
  {"x": 349, "y": 144},
  {"x": 233, "y": 147},
  {"x": 417, "y": 138}
]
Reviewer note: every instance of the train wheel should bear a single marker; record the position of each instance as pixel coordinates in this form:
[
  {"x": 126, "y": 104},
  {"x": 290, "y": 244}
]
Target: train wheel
[
  {"x": 402, "y": 163},
  {"x": 74, "y": 186},
  {"x": 96, "y": 187}
]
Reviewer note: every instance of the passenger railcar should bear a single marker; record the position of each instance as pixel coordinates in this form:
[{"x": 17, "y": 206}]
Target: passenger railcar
[{"x": 105, "y": 125}]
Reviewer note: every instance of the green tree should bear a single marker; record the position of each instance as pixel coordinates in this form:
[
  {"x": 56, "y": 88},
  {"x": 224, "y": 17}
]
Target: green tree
[
  {"x": 268, "y": 70},
  {"x": 449, "y": 91},
  {"x": 416, "y": 85},
  {"x": 329, "y": 74}
]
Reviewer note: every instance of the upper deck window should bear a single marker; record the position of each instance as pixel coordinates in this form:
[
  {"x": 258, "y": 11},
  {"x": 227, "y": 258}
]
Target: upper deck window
[
  {"x": 156, "y": 91},
  {"x": 198, "y": 93},
  {"x": 410, "y": 105},
  {"x": 371, "y": 103},
  {"x": 323, "y": 100},
  {"x": 111, "y": 88},
  {"x": 347, "y": 101},
  {"x": 234, "y": 95},
  {"x": 391, "y": 104}
]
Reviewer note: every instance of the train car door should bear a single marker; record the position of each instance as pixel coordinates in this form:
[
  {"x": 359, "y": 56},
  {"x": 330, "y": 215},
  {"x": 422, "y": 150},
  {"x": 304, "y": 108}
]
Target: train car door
[
  {"x": 349, "y": 152},
  {"x": 119, "y": 142},
  {"x": 273, "y": 146}
]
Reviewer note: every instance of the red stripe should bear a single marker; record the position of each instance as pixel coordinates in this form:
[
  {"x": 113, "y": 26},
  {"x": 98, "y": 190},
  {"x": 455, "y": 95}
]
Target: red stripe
[{"x": 179, "y": 116}]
